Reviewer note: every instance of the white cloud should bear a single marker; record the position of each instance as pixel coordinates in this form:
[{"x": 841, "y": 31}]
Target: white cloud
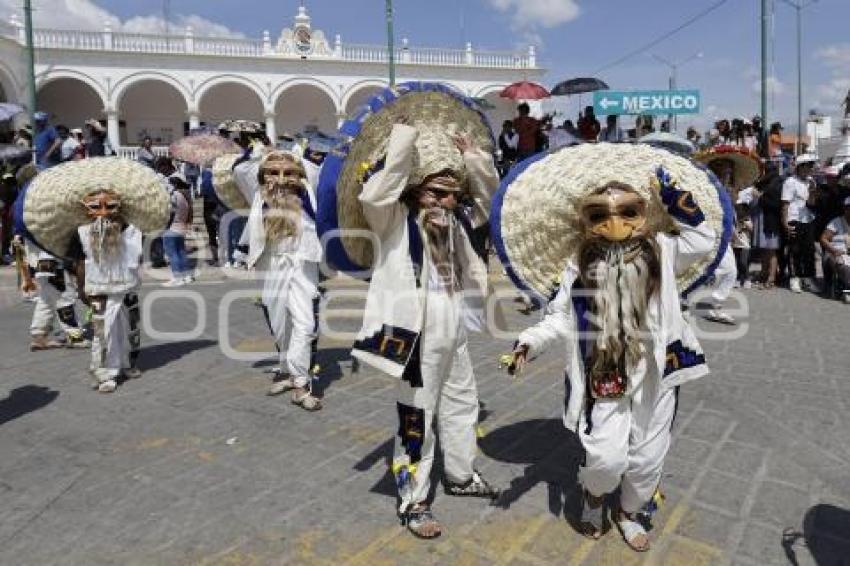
[
  {"x": 774, "y": 86},
  {"x": 538, "y": 13},
  {"x": 86, "y": 15},
  {"x": 830, "y": 94}
]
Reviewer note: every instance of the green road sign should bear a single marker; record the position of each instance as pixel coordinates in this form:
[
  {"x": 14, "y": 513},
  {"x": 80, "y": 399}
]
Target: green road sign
[{"x": 646, "y": 102}]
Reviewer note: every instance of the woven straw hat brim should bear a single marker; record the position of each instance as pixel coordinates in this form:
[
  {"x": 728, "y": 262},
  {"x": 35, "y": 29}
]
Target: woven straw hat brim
[
  {"x": 535, "y": 217},
  {"x": 747, "y": 165},
  {"x": 53, "y": 210},
  {"x": 431, "y": 108},
  {"x": 224, "y": 183}
]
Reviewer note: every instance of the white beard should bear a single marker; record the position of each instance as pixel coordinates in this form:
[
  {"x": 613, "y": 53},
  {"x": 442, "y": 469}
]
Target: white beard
[
  {"x": 623, "y": 277},
  {"x": 105, "y": 239},
  {"x": 283, "y": 217},
  {"x": 439, "y": 226}
]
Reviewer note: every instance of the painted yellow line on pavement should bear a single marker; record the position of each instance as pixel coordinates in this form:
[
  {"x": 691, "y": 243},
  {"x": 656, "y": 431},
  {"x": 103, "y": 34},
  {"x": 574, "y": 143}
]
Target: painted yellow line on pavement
[
  {"x": 525, "y": 537},
  {"x": 582, "y": 552},
  {"x": 363, "y": 557}
]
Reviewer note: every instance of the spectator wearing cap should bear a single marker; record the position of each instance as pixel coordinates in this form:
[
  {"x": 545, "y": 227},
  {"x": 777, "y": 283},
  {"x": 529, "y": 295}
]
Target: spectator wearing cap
[
  {"x": 46, "y": 141},
  {"x": 836, "y": 261},
  {"x": 174, "y": 237},
  {"x": 798, "y": 195},
  {"x": 97, "y": 145}
]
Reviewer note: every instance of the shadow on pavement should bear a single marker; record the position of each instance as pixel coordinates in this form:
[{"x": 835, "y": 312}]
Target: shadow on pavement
[
  {"x": 159, "y": 355},
  {"x": 329, "y": 360},
  {"x": 826, "y": 530},
  {"x": 23, "y": 400},
  {"x": 552, "y": 454}
]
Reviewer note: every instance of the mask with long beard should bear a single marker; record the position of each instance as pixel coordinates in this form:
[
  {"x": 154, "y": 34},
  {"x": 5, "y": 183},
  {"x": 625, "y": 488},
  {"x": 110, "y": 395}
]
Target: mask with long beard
[
  {"x": 105, "y": 230},
  {"x": 439, "y": 225},
  {"x": 282, "y": 177},
  {"x": 619, "y": 263}
]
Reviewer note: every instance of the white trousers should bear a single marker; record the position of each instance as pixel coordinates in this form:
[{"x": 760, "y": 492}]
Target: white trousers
[
  {"x": 725, "y": 276},
  {"x": 52, "y": 303},
  {"x": 110, "y": 351},
  {"x": 626, "y": 444},
  {"x": 447, "y": 391},
  {"x": 289, "y": 291}
]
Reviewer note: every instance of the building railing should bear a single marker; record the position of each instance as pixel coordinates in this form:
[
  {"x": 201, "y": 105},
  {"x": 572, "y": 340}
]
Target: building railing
[
  {"x": 188, "y": 44},
  {"x": 132, "y": 151}
]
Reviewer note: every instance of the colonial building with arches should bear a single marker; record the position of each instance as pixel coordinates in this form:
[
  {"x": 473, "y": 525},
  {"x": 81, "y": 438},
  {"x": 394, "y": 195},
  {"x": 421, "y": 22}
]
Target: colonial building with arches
[{"x": 162, "y": 85}]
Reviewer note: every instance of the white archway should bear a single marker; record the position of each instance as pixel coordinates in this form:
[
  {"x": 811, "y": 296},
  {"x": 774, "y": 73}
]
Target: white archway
[
  {"x": 304, "y": 105},
  {"x": 358, "y": 94},
  {"x": 152, "y": 107},
  {"x": 69, "y": 101},
  {"x": 227, "y": 99}
]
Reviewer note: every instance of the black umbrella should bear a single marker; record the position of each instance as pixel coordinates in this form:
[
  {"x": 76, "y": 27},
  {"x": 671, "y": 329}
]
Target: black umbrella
[{"x": 578, "y": 86}]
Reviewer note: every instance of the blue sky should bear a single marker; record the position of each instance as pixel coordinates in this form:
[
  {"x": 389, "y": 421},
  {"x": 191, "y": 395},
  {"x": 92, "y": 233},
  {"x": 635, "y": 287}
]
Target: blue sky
[{"x": 574, "y": 38}]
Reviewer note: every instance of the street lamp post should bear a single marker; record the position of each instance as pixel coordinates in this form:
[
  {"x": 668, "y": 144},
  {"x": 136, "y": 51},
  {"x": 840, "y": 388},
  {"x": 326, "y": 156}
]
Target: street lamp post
[
  {"x": 799, "y": 6},
  {"x": 30, "y": 63},
  {"x": 390, "y": 42},
  {"x": 672, "y": 119}
]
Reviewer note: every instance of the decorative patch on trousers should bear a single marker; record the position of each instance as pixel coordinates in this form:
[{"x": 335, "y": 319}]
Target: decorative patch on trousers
[
  {"x": 411, "y": 430},
  {"x": 413, "y": 370},
  {"x": 134, "y": 316},
  {"x": 67, "y": 316},
  {"x": 680, "y": 357},
  {"x": 57, "y": 274},
  {"x": 390, "y": 342},
  {"x": 98, "y": 308}
]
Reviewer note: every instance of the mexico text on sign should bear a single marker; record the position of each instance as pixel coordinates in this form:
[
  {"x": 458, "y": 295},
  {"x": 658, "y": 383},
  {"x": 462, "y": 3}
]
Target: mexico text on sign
[{"x": 646, "y": 102}]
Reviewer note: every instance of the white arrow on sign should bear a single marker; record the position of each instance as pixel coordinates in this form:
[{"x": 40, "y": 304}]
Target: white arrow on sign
[{"x": 605, "y": 103}]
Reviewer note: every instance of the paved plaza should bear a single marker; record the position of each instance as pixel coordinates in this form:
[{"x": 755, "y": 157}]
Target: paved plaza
[{"x": 194, "y": 464}]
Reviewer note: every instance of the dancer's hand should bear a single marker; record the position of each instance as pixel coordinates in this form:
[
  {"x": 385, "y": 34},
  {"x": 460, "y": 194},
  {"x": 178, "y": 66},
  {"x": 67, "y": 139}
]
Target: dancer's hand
[
  {"x": 463, "y": 143},
  {"x": 516, "y": 360}
]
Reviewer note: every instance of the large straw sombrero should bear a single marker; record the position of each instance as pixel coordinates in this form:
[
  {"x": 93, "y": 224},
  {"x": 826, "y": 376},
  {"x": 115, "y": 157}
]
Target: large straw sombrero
[
  {"x": 53, "y": 211},
  {"x": 436, "y": 110},
  {"x": 747, "y": 165},
  {"x": 225, "y": 185},
  {"x": 534, "y": 219}
]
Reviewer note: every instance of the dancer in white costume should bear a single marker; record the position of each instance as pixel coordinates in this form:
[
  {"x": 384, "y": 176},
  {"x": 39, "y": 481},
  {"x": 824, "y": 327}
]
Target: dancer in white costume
[
  {"x": 93, "y": 211},
  {"x": 284, "y": 249},
  {"x": 629, "y": 232},
  {"x": 736, "y": 168}
]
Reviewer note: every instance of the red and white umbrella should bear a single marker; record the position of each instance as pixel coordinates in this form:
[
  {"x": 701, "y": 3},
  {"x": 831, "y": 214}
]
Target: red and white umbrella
[{"x": 524, "y": 90}]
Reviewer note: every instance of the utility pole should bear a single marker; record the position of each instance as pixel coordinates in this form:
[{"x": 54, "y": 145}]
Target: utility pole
[
  {"x": 672, "y": 119},
  {"x": 799, "y": 6},
  {"x": 30, "y": 63},
  {"x": 390, "y": 42},
  {"x": 764, "y": 122}
]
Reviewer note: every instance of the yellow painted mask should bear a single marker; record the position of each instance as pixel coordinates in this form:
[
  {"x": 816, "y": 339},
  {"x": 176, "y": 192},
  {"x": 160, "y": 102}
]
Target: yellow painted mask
[{"x": 615, "y": 212}]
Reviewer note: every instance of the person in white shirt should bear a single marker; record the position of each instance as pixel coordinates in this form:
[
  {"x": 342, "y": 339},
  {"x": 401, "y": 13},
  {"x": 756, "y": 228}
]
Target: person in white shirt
[
  {"x": 834, "y": 240},
  {"x": 284, "y": 248},
  {"x": 69, "y": 145},
  {"x": 611, "y": 132},
  {"x": 797, "y": 220}
]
